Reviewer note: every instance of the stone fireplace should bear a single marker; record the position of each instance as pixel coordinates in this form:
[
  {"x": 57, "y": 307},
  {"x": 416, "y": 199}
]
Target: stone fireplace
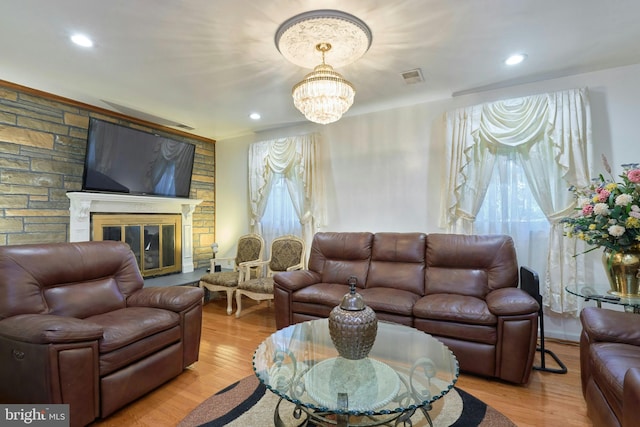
[{"x": 134, "y": 208}]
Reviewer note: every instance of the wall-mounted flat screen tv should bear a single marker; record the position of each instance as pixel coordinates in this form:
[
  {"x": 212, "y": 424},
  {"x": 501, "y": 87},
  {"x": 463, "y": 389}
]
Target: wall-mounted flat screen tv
[{"x": 125, "y": 160}]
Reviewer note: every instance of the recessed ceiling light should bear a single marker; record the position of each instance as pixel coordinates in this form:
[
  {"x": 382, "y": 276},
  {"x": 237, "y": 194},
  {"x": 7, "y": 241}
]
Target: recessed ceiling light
[
  {"x": 515, "y": 59},
  {"x": 254, "y": 116},
  {"x": 81, "y": 40}
]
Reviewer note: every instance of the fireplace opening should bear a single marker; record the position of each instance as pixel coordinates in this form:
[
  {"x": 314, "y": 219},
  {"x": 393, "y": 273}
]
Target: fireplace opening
[{"x": 155, "y": 239}]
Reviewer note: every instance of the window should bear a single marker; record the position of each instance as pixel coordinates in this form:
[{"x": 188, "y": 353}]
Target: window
[
  {"x": 510, "y": 208},
  {"x": 551, "y": 135},
  {"x": 291, "y": 169},
  {"x": 280, "y": 216}
]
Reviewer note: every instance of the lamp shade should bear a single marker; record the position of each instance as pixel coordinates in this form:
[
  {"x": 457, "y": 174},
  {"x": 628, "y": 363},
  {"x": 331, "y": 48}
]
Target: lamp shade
[{"x": 323, "y": 96}]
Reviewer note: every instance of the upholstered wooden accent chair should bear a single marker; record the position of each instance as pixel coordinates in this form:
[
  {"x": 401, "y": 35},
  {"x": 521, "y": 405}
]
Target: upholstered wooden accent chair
[
  {"x": 286, "y": 254},
  {"x": 250, "y": 248}
]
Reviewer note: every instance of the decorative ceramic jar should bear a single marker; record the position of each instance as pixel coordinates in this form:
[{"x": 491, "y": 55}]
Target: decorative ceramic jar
[{"x": 353, "y": 325}]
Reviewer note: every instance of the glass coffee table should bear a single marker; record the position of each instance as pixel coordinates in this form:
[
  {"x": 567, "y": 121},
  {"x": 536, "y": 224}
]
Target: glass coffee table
[{"x": 407, "y": 370}]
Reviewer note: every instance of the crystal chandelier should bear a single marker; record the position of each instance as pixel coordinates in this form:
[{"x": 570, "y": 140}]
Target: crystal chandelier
[{"x": 323, "y": 96}]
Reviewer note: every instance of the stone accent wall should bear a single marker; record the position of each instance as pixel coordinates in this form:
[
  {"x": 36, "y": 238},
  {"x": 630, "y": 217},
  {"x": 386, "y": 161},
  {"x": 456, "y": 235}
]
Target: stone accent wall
[{"x": 42, "y": 149}]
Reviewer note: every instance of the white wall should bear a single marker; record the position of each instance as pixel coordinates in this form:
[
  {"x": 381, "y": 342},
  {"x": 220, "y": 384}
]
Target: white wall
[{"x": 384, "y": 170}]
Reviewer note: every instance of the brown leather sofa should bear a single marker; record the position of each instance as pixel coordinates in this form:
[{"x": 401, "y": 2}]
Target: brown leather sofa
[
  {"x": 461, "y": 289},
  {"x": 77, "y": 327},
  {"x": 610, "y": 366}
]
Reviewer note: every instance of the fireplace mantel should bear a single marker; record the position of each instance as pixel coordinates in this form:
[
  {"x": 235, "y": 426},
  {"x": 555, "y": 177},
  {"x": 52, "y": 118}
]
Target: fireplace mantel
[{"x": 83, "y": 204}]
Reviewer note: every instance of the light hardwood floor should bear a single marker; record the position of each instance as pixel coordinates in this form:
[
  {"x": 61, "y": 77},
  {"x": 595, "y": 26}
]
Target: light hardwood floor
[{"x": 225, "y": 356}]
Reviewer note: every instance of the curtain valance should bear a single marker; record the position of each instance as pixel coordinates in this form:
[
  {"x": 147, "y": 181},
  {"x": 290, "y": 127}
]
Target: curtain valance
[{"x": 513, "y": 122}]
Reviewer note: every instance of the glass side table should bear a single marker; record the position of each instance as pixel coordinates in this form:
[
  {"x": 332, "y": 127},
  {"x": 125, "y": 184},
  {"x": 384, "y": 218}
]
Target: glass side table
[{"x": 589, "y": 294}]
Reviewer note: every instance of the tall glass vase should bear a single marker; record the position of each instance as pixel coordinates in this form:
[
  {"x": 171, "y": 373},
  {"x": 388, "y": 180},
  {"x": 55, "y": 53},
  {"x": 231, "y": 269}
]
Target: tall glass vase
[{"x": 622, "y": 268}]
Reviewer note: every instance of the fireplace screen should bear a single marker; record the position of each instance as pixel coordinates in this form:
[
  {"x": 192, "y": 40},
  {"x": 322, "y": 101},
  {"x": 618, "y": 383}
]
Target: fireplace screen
[{"x": 154, "y": 239}]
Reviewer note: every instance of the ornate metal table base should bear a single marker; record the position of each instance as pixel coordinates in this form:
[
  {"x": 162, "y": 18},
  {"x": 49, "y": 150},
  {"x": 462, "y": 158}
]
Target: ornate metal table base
[{"x": 345, "y": 420}]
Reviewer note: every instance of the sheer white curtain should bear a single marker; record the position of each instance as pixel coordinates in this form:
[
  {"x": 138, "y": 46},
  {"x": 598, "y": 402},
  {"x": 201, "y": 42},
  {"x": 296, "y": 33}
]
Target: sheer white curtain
[
  {"x": 510, "y": 208},
  {"x": 280, "y": 217},
  {"x": 296, "y": 161},
  {"x": 550, "y": 135}
]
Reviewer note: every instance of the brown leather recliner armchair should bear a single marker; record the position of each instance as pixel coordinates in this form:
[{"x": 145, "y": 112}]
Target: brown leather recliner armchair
[
  {"x": 77, "y": 327},
  {"x": 610, "y": 366}
]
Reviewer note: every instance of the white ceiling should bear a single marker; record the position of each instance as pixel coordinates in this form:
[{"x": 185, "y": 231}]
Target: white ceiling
[{"x": 207, "y": 64}]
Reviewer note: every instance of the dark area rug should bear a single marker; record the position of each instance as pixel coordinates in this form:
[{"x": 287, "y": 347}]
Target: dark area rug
[{"x": 249, "y": 403}]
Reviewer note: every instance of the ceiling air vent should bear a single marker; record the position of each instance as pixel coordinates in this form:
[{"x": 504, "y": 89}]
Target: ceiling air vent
[{"x": 412, "y": 76}]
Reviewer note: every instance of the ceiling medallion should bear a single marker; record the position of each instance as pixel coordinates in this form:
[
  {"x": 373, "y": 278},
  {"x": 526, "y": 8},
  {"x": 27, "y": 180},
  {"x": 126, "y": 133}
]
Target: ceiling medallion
[
  {"x": 323, "y": 96},
  {"x": 297, "y": 37}
]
